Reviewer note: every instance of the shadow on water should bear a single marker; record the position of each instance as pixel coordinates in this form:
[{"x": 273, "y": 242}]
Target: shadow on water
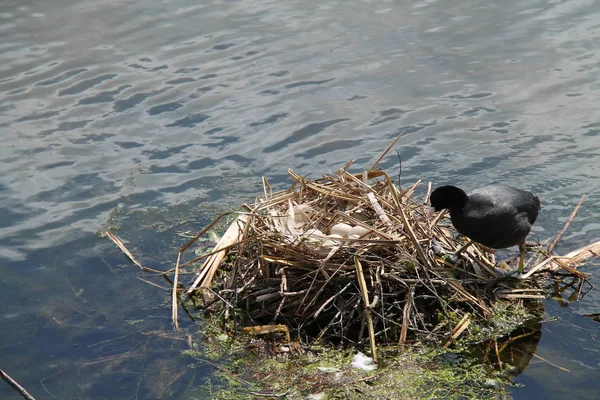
[{"x": 565, "y": 361}]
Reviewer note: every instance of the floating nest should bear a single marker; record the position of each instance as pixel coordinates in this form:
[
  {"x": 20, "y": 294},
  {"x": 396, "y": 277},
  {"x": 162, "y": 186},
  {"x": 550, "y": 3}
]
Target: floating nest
[{"x": 352, "y": 257}]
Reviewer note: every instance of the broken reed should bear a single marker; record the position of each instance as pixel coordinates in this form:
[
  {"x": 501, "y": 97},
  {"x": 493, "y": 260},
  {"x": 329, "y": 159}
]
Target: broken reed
[{"x": 278, "y": 263}]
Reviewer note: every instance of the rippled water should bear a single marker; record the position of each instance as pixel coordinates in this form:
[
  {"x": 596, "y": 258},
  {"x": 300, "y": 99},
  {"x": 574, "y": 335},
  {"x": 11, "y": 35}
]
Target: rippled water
[{"x": 173, "y": 104}]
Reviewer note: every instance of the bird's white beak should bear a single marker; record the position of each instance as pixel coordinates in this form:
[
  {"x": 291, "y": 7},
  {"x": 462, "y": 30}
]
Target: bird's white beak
[{"x": 429, "y": 212}]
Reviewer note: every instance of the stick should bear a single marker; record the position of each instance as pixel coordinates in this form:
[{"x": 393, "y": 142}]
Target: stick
[
  {"x": 121, "y": 246},
  {"x": 564, "y": 229},
  {"x": 583, "y": 253},
  {"x": 230, "y": 237},
  {"x": 538, "y": 267},
  {"x": 497, "y": 353},
  {"x": 458, "y": 329},
  {"x": 365, "y": 295},
  {"x": 385, "y": 152},
  {"x": 426, "y": 200},
  {"x": 267, "y": 188},
  {"x": 326, "y": 303},
  {"x": 458, "y": 287},
  {"x": 203, "y": 231},
  {"x": 20, "y": 389},
  {"x": 405, "y": 317},
  {"x": 348, "y": 164},
  {"x": 574, "y": 257},
  {"x": 550, "y": 363},
  {"x": 378, "y": 209},
  {"x": 174, "y": 297},
  {"x": 407, "y": 225},
  {"x": 270, "y": 394}
]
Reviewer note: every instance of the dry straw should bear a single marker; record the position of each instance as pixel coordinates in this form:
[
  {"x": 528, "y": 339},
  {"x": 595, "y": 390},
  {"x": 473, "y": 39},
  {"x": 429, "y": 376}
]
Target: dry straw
[{"x": 352, "y": 258}]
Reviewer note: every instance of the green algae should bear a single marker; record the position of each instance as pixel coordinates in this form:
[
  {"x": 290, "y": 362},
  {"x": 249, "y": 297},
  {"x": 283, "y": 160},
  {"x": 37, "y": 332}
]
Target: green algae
[
  {"x": 326, "y": 371},
  {"x": 246, "y": 367}
]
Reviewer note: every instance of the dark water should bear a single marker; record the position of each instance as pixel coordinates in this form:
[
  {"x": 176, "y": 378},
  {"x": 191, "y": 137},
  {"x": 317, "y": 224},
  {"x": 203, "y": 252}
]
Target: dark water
[{"x": 167, "y": 106}]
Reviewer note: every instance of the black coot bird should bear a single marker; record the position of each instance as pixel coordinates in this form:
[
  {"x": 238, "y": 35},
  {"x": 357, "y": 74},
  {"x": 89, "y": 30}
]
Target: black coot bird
[{"x": 497, "y": 216}]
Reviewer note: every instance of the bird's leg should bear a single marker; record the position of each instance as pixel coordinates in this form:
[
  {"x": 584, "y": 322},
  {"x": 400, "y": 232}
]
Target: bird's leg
[
  {"x": 464, "y": 247},
  {"x": 522, "y": 249}
]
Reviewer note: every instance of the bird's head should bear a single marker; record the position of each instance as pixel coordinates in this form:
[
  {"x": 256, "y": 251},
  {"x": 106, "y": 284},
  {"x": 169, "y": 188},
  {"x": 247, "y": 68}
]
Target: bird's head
[{"x": 449, "y": 197}]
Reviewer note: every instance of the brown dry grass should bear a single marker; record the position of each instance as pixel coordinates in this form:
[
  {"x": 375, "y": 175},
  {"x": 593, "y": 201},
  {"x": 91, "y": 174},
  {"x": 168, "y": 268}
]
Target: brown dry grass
[{"x": 396, "y": 279}]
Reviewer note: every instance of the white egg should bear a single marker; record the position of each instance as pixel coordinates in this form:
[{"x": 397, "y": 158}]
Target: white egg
[
  {"x": 314, "y": 233},
  {"x": 305, "y": 208},
  {"x": 341, "y": 229},
  {"x": 358, "y": 231},
  {"x": 302, "y": 213}
]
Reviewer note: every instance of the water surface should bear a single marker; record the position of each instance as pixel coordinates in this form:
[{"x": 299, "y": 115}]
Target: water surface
[{"x": 168, "y": 106}]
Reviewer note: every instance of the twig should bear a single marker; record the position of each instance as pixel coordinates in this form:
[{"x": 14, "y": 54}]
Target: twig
[
  {"x": 174, "y": 295},
  {"x": 514, "y": 339},
  {"x": 582, "y": 254},
  {"x": 407, "y": 225},
  {"x": 459, "y": 328},
  {"x": 230, "y": 237},
  {"x": 203, "y": 231},
  {"x": 365, "y": 295},
  {"x": 121, "y": 246},
  {"x": 20, "y": 389},
  {"x": 223, "y": 370},
  {"x": 328, "y": 301},
  {"x": 564, "y": 229},
  {"x": 551, "y": 363},
  {"x": 268, "y": 190},
  {"x": 378, "y": 209},
  {"x": 152, "y": 283},
  {"x": 385, "y": 152},
  {"x": 406, "y": 316},
  {"x": 270, "y": 394},
  {"x": 497, "y": 354},
  {"x": 167, "y": 385}
]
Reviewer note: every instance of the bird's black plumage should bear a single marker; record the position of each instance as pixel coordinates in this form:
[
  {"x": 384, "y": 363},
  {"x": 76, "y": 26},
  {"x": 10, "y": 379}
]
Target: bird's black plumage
[{"x": 496, "y": 216}]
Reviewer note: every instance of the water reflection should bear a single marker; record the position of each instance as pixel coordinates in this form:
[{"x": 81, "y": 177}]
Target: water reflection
[
  {"x": 513, "y": 354},
  {"x": 556, "y": 359}
]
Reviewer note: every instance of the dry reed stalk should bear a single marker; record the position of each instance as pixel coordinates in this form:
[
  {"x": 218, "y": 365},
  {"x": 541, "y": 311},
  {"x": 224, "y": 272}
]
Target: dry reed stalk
[
  {"x": 407, "y": 225},
  {"x": 154, "y": 284},
  {"x": 514, "y": 296},
  {"x": 577, "y": 257},
  {"x": 229, "y": 238},
  {"x": 406, "y": 316},
  {"x": 468, "y": 296},
  {"x": 174, "y": 306},
  {"x": 267, "y": 189},
  {"x": 378, "y": 209},
  {"x": 288, "y": 268},
  {"x": 116, "y": 240},
  {"x": 365, "y": 296},
  {"x": 459, "y": 329},
  {"x": 15, "y": 385},
  {"x": 569, "y": 220},
  {"x": 372, "y": 167},
  {"x": 550, "y": 363},
  {"x": 409, "y": 192}
]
